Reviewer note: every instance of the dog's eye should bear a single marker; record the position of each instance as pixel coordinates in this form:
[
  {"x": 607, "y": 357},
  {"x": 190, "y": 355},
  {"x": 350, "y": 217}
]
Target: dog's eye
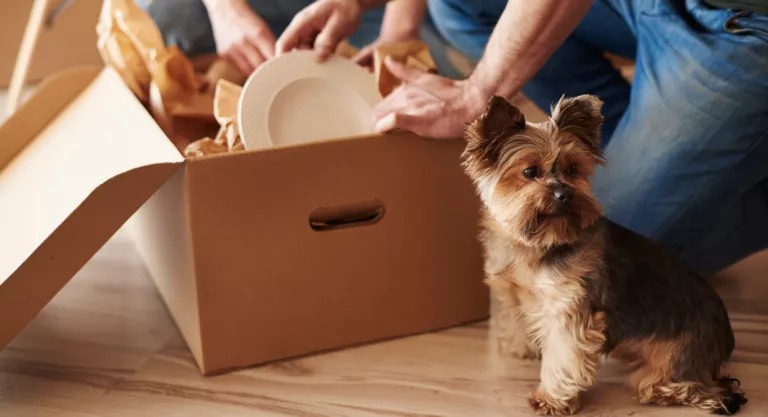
[
  {"x": 572, "y": 170},
  {"x": 531, "y": 172}
]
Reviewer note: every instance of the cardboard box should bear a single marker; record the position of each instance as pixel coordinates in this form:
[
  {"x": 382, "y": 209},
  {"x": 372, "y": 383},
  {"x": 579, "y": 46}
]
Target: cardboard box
[
  {"x": 68, "y": 40},
  {"x": 259, "y": 255}
]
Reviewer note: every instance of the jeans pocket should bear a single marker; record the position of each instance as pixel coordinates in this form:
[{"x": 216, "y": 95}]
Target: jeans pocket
[
  {"x": 740, "y": 26},
  {"x": 747, "y": 23}
]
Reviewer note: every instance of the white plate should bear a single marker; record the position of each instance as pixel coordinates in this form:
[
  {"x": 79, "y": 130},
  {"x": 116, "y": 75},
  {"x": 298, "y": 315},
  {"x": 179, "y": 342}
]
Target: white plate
[{"x": 294, "y": 99}]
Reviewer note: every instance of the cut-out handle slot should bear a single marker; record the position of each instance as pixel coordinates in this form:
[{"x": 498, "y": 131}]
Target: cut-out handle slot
[{"x": 348, "y": 215}]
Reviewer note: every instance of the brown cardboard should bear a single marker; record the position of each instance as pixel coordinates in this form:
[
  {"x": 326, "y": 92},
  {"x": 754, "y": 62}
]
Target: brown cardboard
[
  {"x": 65, "y": 42},
  {"x": 73, "y": 173},
  {"x": 244, "y": 247}
]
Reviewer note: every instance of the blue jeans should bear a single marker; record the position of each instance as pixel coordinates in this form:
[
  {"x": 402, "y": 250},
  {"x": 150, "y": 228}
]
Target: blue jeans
[
  {"x": 185, "y": 23},
  {"x": 687, "y": 142}
]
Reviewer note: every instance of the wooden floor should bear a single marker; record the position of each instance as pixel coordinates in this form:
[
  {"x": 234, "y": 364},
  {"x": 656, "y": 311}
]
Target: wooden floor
[{"x": 106, "y": 347}]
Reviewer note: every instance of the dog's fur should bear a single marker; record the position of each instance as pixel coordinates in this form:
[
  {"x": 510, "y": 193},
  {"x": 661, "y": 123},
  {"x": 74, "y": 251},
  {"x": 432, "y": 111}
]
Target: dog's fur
[{"x": 571, "y": 285}]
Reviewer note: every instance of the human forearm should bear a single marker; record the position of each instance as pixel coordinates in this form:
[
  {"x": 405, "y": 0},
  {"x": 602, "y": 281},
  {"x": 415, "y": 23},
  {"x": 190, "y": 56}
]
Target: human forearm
[
  {"x": 372, "y": 4},
  {"x": 403, "y": 19},
  {"x": 525, "y": 37},
  {"x": 219, "y": 4}
]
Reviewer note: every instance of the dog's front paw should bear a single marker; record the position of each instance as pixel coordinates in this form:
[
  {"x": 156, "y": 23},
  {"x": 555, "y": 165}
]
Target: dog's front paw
[
  {"x": 544, "y": 405},
  {"x": 525, "y": 352},
  {"x": 518, "y": 347}
]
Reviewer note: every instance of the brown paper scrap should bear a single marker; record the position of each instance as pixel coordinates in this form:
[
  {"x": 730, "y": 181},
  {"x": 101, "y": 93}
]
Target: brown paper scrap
[
  {"x": 175, "y": 78},
  {"x": 345, "y": 50},
  {"x": 139, "y": 27},
  {"x": 413, "y": 53},
  {"x": 205, "y": 146},
  {"x": 225, "y": 104},
  {"x": 225, "y": 101},
  {"x": 128, "y": 41},
  {"x": 118, "y": 52},
  {"x": 177, "y": 99}
]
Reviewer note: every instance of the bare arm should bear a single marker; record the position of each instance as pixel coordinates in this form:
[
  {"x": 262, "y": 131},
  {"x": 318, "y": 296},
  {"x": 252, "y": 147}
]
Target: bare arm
[
  {"x": 324, "y": 23},
  {"x": 403, "y": 18},
  {"x": 402, "y": 22},
  {"x": 242, "y": 36},
  {"x": 527, "y": 34}
]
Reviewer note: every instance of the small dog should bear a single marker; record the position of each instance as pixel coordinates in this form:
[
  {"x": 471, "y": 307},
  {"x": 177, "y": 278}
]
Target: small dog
[{"x": 572, "y": 286}]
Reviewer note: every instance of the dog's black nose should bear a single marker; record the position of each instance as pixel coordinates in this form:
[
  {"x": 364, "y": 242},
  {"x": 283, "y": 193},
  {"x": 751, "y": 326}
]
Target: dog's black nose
[{"x": 563, "y": 194}]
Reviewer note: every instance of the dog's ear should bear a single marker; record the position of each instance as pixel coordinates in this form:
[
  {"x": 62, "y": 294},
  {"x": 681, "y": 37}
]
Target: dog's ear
[
  {"x": 500, "y": 117},
  {"x": 582, "y": 116},
  {"x": 487, "y": 133}
]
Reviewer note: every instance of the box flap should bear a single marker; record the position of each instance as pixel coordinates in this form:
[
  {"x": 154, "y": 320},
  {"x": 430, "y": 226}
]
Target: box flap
[{"x": 68, "y": 180}]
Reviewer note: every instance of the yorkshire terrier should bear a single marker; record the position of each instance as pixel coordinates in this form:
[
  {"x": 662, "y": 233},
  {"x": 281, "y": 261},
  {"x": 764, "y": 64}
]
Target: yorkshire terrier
[{"x": 571, "y": 286}]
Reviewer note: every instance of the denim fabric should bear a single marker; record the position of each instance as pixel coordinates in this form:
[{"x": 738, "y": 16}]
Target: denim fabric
[
  {"x": 687, "y": 142},
  {"x": 185, "y": 23}
]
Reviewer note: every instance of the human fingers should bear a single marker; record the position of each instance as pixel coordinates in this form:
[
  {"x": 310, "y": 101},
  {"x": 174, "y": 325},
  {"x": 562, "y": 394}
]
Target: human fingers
[
  {"x": 238, "y": 60},
  {"x": 303, "y": 26},
  {"x": 330, "y": 37},
  {"x": 252, "y": 55},
  {"x": 402, "y": 121},
  {"x": 364, "y": 58},
  {"x": 402, "y": 97},
  {"x": 263, "y": 39},
  {"x": 402, "y": 71}
]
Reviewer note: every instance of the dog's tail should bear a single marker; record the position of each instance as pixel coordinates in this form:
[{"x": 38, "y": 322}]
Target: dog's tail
[{"x": 732, "y": 396}]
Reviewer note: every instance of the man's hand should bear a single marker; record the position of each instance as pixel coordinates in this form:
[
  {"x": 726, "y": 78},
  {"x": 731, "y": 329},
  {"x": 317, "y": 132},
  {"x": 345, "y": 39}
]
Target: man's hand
[
  {"x": 364, "y": 58},
  {"x": 402, "y": 22},
  {"x": 527, "y": 34},
  {"x": 321, "y": 26},
  {"x": 242, "y": 37},
  {"x": 428, "y": 105}
]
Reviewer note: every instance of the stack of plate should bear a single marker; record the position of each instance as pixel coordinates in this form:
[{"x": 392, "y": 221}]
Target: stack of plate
[{"x": 293, "y": 99}]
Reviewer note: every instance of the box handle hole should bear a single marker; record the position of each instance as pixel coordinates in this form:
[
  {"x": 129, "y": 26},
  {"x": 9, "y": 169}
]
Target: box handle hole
[{"x": 348, "y": 215}]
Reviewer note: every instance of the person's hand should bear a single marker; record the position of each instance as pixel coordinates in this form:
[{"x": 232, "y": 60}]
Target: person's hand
[
  {"x": 321, "y": 26},
  {"x": 402, "y": 21},
  {"x": 242, "y": 37},
  {"x": 428, "y": 105},
  {"x": 364, "y": 58}
]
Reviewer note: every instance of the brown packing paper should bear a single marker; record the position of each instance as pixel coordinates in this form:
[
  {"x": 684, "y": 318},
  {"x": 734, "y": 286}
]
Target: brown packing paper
[
  {"x": 413, "y": 53},
  {"x": 345, "y": 50},
  {"x": 175, "y": 81},
  {"x": 162, "y": 78},
  {"x": 139, "y": 27},
  {"x": 178, "y": 101},
  {"x": 226, "y": 101},
  {"x": 416, "y": 63},
  {"x": 221, "y": 69},
  {"x": 205, "y": 146},
  {"x": 118, "y": 52},
  {"x": 225, "y": 104},
  {"x": 129, "y": 41}
]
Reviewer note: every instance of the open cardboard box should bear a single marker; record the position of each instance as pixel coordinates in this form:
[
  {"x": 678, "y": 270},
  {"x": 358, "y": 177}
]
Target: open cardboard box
[{"x": 259, "y": 255}]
